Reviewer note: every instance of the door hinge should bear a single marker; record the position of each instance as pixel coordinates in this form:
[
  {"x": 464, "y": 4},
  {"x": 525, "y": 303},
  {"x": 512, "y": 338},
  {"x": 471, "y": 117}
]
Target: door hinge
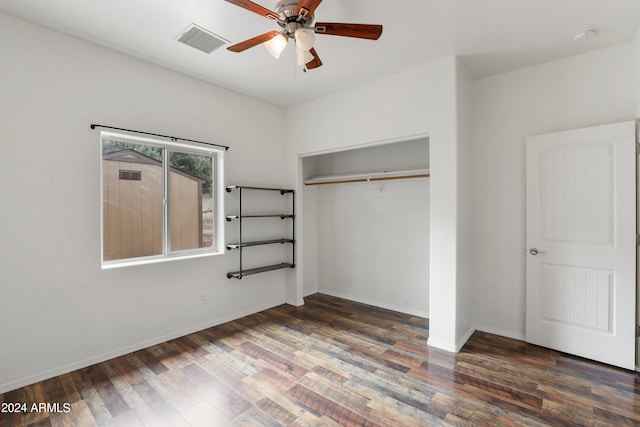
[
  {"x": 638, "y": 331},
  {"x": 637, "y": 239},
  {"x": 637, "y": 148}
]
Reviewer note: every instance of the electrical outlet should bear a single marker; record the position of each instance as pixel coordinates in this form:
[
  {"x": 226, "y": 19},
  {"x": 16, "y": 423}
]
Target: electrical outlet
[{"x": 203, "y": 299}]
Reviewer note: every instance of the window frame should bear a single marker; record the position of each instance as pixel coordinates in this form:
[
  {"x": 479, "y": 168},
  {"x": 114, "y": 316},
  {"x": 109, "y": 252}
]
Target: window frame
[{"x": 217, "y": 189}]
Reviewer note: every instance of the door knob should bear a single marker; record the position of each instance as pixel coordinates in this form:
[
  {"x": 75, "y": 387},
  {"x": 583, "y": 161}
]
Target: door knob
[{"x": 534, "y": 251}]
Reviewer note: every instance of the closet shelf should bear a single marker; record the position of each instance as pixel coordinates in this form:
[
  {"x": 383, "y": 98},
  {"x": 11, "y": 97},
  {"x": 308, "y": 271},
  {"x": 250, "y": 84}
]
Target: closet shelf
[
  {"x": 257, "y": 243},
  {"x": 368, "y": 177},
  {"x": 281, "y": 216},
  {"x": 239, "y": 274}
]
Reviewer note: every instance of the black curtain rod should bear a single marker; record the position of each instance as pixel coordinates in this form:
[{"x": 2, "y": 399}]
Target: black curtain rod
[{"x": 173, "y": 138}]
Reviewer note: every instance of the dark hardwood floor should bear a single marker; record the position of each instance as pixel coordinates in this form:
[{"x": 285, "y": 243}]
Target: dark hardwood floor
[{"x": 332, "y": 362}]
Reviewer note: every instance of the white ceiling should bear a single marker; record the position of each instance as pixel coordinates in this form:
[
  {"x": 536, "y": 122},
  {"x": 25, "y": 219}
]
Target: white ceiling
[{"x": 492, "y": 36}]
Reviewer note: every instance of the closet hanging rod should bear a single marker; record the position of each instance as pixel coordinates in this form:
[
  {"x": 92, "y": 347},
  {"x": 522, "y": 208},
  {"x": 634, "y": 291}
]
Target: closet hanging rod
[
  {"x": 368, "y": 177},
  {"x": 172, "y": 138}
]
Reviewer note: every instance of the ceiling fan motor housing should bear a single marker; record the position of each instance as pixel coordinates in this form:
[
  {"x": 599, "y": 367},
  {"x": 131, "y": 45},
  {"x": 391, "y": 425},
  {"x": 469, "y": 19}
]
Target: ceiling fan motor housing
[{"x": 287, "y": 11}]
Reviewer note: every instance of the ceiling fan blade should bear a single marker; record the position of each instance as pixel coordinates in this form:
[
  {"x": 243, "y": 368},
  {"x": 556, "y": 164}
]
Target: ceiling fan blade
[
  {"x": 361, "y": 31},
  {"x": 255, "y": 8},
  {"x": 315, "y": 62},
  {"x": 307, "y": 7},
  {"x": 242, "y": 46}
]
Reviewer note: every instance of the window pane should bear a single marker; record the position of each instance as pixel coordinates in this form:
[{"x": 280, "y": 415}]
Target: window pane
[
  {"x": 132, "y": 193},
  {"x": 190, "y": 201}
]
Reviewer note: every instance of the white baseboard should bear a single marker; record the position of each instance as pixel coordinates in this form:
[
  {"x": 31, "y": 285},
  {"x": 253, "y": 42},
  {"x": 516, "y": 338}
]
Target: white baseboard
[
  {"x": 311, "y": 293},
  {"x": 465, "y": 337},
  {"x": 452, "y": 348},
  {"x": 41, "y": 376},
  {"x": 296, "y": 302},
  {"x": 502, "y": 332},
  {"x": 399, "y": 309}
]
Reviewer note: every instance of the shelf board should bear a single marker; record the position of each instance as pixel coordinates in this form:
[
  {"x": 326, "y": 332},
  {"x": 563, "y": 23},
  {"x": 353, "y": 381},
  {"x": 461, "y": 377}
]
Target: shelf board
[
  {"x": 231, "y": 188},
  {"x": 281, "y": 216},
  {"x": 258, "y": 243},
  {"x": 247, "y": 272}
]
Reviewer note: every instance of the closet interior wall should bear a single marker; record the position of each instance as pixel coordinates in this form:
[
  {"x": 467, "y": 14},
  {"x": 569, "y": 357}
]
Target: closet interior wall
[{"x": 369, "y": 241}]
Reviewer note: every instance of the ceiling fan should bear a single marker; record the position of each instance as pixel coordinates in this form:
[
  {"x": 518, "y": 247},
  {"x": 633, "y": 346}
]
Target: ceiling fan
[{"x": 295, "y": 17}]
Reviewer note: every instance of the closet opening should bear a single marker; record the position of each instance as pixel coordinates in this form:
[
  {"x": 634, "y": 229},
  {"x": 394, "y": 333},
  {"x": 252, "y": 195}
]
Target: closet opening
[{"x": 366, "y": 219}]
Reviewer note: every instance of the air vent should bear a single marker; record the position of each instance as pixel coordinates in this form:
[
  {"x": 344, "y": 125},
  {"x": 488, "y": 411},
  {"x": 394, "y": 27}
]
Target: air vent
[{"x": 201, "y": 39}]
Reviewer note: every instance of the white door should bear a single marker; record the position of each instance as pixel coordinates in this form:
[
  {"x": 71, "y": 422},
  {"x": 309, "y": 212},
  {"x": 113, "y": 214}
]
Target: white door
[{"x": 581, "y": 242}]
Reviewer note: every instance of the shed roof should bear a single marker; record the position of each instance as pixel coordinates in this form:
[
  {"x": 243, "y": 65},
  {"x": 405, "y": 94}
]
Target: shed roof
[{"x": 133, "y": 156}]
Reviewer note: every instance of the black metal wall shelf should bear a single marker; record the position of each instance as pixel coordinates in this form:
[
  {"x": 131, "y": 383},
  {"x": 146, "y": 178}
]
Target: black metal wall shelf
[
  {"x": 231, "y": 188},
  {"x": 250, "y": 271},
  {"x": 240, "y": 244},
  {"x": 281, "y": 216},
  {"x": 257, "y": 243}
]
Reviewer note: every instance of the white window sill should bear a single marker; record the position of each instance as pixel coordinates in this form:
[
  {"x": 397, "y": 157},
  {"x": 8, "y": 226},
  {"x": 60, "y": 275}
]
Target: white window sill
[{"x": 107, "y": 265}]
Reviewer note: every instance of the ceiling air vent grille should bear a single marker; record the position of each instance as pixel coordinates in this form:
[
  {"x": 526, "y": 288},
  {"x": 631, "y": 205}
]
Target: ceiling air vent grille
[{"x": 201, "y": 39}]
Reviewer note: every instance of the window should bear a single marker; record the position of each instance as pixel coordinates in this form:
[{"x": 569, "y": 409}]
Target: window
[
  {"x": 130, "y": 175},
  {"x": 160, "y": 200}
]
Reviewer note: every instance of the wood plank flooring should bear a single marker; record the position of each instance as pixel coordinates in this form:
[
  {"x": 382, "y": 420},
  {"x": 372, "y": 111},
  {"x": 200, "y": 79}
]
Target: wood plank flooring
[{"x": 332, "y": 362}]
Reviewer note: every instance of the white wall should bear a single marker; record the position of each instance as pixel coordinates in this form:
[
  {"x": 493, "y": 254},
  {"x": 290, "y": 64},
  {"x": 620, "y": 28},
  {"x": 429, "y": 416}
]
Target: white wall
[
  {"x": 58, "y": 309},
  {"x": 419, "y": 101},
  {"x": 637, "y": 67},
  {"x": 374, "y": 248},
  {"x": 587, "y": 90},
  {"x": 465, "y": 324}
]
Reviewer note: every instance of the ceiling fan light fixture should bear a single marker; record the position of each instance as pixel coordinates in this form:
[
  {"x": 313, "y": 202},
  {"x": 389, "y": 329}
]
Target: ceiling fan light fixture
[
  {"x": 276, "y": 45},
  {"x": 305, "y": 38},
  {"x": 303, "y": 56}
]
